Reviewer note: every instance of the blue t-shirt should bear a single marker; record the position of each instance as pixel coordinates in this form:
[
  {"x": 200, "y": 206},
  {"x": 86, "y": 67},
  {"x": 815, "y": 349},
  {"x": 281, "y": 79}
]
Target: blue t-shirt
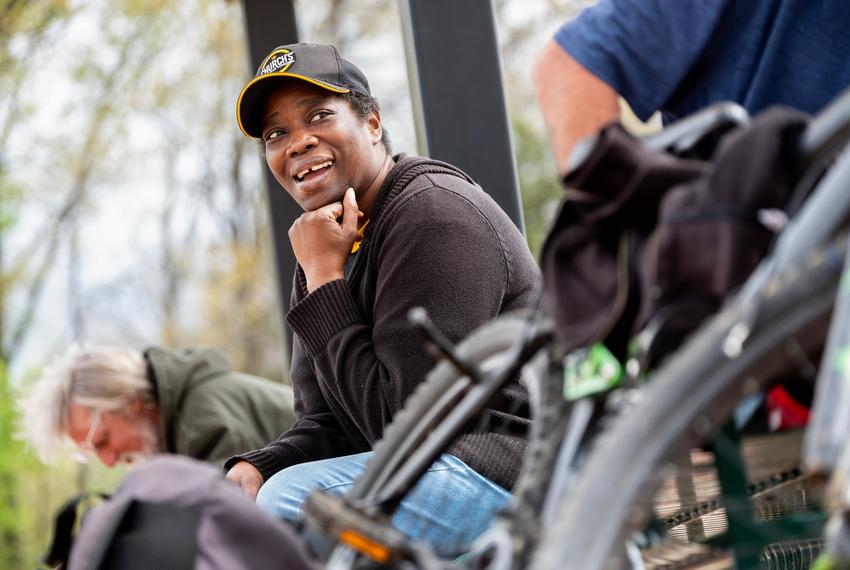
[{"x": 678, "y": 56}]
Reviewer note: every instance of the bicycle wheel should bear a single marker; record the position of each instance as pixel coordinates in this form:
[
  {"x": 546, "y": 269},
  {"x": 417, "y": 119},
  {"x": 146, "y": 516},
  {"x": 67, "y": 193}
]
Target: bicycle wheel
[
  {"x": 446, "y": 407},
  {"x": 691, "y": 395},
  {"x": 490, "y": 348},
  {"x": 511, "y": 540}
]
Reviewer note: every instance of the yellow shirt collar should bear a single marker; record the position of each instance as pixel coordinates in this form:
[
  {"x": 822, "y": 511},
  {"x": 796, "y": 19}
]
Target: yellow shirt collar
[{"x": 360, "y": 231}]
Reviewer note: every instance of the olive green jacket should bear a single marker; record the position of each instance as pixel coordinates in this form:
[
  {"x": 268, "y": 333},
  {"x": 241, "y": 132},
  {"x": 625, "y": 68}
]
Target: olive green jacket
[{"x": 208, "y": 411}]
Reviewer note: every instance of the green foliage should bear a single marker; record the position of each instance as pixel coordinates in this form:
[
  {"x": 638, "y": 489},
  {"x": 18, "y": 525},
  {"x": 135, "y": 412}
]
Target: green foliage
[
  {"x": 538, "y": 180},
  {"x": 143, "y": 8},
  {"x": 10, "y": 198},
  {"x": 12, "y": 514},
  {"x": 28, "y": 16}
]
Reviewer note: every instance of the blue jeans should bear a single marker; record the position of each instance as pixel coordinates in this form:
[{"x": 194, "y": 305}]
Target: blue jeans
[{"x": 450, "y": 506}]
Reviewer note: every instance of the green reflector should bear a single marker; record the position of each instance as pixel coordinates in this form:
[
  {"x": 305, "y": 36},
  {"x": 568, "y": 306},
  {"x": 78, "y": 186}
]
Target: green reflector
[{"x": 590, "y": 371}]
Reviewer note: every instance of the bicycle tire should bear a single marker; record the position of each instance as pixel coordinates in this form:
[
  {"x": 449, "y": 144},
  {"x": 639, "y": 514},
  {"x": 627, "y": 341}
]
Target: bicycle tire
[
  {"x": 424, "y": 409},
  {"x": 692, "y": 394},
  {"x": 519, "y": 526}
]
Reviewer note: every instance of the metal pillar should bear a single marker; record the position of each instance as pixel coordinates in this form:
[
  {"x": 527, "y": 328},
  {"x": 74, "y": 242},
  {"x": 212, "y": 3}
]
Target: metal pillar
[
  {"x": 458, "y": 96},
  {"x": 268, "y": 24}
]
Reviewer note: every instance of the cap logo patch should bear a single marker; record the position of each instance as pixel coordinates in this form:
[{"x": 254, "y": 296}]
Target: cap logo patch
[{"x": 277, "y": 61}]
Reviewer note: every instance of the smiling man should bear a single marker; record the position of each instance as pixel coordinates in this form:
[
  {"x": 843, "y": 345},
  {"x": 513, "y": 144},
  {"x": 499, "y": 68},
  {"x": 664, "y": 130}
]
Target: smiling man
[{"x": 380, "y": 234}]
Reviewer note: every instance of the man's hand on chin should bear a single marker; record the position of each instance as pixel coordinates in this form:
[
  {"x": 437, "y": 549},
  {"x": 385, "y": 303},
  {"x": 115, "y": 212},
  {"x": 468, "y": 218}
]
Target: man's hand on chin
[{"x": 322, "y": 240}]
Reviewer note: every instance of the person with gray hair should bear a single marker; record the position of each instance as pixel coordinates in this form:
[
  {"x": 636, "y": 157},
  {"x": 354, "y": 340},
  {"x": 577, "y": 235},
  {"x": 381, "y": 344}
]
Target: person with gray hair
[{"x": 123, "y": 405}]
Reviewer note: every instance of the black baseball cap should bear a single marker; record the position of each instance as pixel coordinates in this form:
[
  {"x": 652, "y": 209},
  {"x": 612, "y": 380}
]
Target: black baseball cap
[{"x": 317, "y": 64}]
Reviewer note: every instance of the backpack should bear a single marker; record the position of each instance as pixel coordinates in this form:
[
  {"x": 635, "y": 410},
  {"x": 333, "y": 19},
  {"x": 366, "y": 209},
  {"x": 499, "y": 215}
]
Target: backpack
[
  {"x": 648, "y": 241},
  {"x": 179, "y": 513}
]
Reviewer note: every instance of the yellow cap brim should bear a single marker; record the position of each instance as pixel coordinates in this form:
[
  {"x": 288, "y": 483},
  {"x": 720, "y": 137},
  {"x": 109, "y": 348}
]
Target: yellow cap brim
[{"x": 248, "y": 102}]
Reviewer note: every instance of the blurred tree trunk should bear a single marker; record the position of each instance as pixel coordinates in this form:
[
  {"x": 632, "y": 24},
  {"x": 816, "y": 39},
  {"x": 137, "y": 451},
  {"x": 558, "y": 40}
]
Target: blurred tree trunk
[
  {"x": 29, "y": 23},
  {"x": 55, "y": 233}
]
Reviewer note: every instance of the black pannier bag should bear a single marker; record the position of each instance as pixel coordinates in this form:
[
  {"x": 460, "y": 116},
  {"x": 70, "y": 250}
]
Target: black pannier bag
[
  {"x": 175, "y": 513},
  {"x": 645, "y": 237}
]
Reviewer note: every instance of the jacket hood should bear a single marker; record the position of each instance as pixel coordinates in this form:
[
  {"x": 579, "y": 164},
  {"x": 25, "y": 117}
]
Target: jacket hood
[{"x": 176, "y": 373}]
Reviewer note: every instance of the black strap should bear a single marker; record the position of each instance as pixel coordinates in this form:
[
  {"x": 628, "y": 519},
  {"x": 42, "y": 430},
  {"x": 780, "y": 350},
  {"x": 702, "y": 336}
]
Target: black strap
[{"x": 65, "y": 527}]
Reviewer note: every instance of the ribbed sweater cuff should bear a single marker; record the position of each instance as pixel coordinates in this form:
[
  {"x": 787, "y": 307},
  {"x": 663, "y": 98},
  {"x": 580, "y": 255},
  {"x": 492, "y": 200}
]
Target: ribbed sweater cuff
[
  {"x": 319, "y": 316},
  {"x": 266, "y": 463}
]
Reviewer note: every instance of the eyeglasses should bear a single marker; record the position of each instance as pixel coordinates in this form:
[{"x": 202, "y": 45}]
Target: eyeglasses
[
  {"x": 95, "y": 423},
  {"x": 87, "y": 446}
]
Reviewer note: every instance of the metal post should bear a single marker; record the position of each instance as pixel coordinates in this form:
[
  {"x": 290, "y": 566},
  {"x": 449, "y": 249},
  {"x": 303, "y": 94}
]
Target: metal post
[
  {"x": 268, "y": 24},
  {"x": 458, "y": 96}
]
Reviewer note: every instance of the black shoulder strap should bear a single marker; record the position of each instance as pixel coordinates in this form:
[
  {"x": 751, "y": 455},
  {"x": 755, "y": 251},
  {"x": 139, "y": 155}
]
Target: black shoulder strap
[{"x": 66, "y": 524}]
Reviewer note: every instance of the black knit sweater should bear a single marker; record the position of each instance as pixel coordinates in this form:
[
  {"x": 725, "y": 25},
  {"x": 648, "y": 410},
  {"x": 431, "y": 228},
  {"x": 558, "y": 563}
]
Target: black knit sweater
[{"x": 440, "y": 242}]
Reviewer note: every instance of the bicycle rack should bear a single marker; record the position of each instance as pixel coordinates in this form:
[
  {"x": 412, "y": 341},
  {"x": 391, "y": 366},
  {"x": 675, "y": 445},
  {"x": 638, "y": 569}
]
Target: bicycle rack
[{"x": 750, "y": 537}]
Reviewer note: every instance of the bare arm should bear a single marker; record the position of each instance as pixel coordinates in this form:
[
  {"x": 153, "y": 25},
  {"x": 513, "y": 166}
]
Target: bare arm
[{"x": 574, "y": 102}]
